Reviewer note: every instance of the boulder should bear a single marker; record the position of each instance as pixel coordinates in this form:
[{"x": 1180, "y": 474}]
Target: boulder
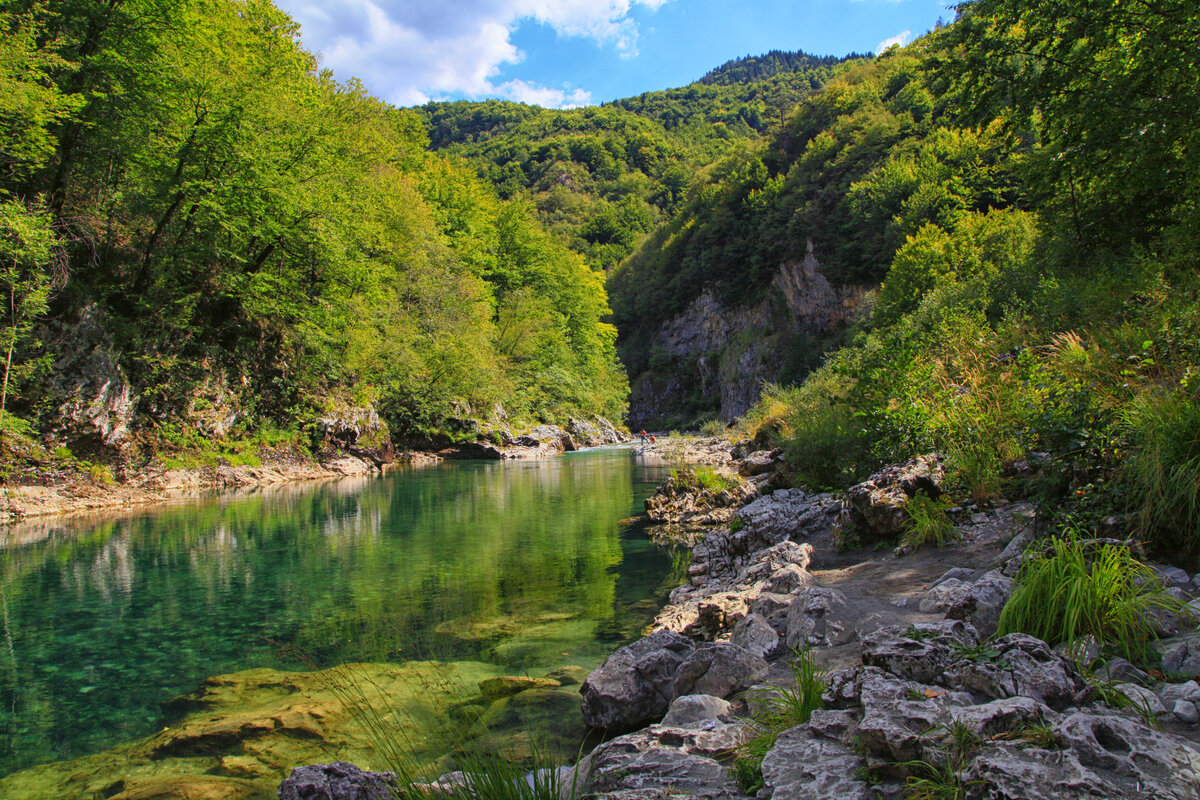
[
  {"x": 875, "y": 509},
  {"x": 943, "y": 595},
  {"x": 982, "y": 603},
  {"x": 1181, "y": 655},
  {"x": 338, "y": 781},
  {"x": 754, "y": 634},
  {"x": 759, "y": 463},
  {"x": 804, "y": 764},
  {"x": 634, "y": 685},
  {"x": 788, "y": 514},
  {"x": 696, "y": 709},
  {"x": 719, "y": 669},
  {"x": 819, "y": 617},
  {"x": 662, "y": 763}
]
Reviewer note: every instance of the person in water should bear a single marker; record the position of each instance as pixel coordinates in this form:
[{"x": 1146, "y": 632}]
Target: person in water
[{"x": 643, "y": 435}]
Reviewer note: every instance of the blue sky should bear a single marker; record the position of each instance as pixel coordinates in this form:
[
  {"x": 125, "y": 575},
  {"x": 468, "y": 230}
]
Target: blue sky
[{"x": 580, "y": 52}]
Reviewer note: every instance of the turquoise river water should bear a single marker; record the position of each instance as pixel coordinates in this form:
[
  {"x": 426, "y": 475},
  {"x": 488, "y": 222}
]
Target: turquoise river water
[{"x": 525, "y": 565}]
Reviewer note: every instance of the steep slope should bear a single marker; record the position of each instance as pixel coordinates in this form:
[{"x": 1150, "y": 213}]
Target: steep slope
[{"x": 776, "y": 253}]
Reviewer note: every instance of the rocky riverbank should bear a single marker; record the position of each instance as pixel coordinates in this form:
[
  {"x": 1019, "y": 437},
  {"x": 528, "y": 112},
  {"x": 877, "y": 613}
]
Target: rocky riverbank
[{"x": 920, "y": 693}]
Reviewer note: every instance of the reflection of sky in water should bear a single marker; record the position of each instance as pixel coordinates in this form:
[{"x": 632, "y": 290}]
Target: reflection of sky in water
[{"x": 514, "y": 564}]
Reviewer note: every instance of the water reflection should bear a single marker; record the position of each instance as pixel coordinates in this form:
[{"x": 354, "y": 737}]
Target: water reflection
[{"x": 524, "y": 565}]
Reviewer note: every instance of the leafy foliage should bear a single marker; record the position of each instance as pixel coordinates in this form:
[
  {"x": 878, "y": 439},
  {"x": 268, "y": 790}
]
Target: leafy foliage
[{"x": 239, "y": 216}]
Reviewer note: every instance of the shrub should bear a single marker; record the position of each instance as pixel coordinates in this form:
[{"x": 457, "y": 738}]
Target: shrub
[
  {"x": 1077, "y": 589},
  {"x": 714, "y": 427}
]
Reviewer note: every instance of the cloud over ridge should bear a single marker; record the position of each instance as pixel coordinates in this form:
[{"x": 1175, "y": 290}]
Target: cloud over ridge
[{"x": 412, "y": 51}]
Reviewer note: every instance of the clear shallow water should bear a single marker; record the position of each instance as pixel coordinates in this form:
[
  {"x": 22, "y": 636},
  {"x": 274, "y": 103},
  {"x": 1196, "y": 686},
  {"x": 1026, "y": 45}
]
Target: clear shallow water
[{"x": 526, "y": 565}]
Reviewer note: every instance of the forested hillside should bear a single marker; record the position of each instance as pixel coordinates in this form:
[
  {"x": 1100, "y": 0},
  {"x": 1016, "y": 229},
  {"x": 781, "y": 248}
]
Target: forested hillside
[
  {"x": 207, "y": 237},
  {"x": 603, "y": 177}
]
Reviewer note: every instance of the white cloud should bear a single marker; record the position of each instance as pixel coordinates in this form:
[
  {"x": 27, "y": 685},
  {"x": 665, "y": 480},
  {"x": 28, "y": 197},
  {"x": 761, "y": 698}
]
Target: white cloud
[
  {"x": 900, "y": 39},
  {"x": 409, "y": 51}
]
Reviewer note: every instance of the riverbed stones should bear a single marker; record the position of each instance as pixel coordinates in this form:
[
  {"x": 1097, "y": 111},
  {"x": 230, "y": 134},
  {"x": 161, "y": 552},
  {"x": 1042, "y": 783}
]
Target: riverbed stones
[{"x": 505, "y": 685}]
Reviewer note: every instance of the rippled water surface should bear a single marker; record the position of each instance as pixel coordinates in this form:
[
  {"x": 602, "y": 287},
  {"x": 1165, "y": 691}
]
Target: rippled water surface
[{"x": 525, "y": 565}]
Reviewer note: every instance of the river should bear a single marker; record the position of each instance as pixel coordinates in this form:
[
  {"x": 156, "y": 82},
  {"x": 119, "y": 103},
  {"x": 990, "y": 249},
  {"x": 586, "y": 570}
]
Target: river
[{"x": 521, "y": 567}]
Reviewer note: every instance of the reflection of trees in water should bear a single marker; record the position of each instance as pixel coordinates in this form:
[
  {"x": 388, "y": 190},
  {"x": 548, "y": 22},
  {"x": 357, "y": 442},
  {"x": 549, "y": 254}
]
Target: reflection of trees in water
[{"x": 512, "y": 562}]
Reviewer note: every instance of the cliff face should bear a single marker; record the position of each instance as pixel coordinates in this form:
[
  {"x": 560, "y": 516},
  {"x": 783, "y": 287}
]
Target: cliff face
[{"x": 714, "y": 358}]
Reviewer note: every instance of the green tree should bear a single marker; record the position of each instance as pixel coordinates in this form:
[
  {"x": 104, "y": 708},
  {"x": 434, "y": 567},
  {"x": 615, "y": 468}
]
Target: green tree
[{"x": 27, "y": 254}]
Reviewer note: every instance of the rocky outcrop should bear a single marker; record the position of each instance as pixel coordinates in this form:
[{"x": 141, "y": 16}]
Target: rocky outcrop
[
  {"x": 725, "y": 353},
  {"x": 683, "y": 499},
  {"x": 93, "y": 398},
  {"x": 875, "y": 509},
  {"x": 759, "y": 568},
  {"x": 636, "y": 684},
  {"x": 685, "y": 757},
  {"x": 357, "y": 431}
]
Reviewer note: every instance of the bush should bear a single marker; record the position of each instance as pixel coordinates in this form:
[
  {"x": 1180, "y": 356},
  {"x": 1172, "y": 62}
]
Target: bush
[
  {"x": 714, "y": 427},
  {"x": 1078, "y": 589}
]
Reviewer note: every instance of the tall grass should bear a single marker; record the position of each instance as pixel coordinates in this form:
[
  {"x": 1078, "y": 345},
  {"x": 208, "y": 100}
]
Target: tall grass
[
  {"x": 1076, "y": 589},
  {"x": 776, "y": 710},
  {"x": 1164, "y": 468}
]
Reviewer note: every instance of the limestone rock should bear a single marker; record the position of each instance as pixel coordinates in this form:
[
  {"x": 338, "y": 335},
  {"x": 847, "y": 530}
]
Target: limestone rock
[
  {"x": 1186, "y": 711},
  {"x": 1181, "y": 655},
  {"x": 337, "y": 781},
  {"x": 662, "y": 762},
  {"x": 755, "y": 635},
  {"x": 818, "y": 618},
  {"x": 875, "y": 508},
  {"x": 94, "y": 400},
  {"x": 803, "y": 764},
  {"x": 943, "y": 595},
  {"x": 759, "y": 463},
  {"x": 696, "y": 709},
  {"x": 982, "y": 603},
  {"x": 635, "y": 684},
  {"x": 719, "y": 669}
]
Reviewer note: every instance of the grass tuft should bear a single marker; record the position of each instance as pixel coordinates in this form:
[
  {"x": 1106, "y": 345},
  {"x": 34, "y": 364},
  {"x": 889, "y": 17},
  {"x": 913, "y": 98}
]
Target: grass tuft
[
  {"x": 1077, "y": 589},
  {"x": 777, "y": 710}
]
